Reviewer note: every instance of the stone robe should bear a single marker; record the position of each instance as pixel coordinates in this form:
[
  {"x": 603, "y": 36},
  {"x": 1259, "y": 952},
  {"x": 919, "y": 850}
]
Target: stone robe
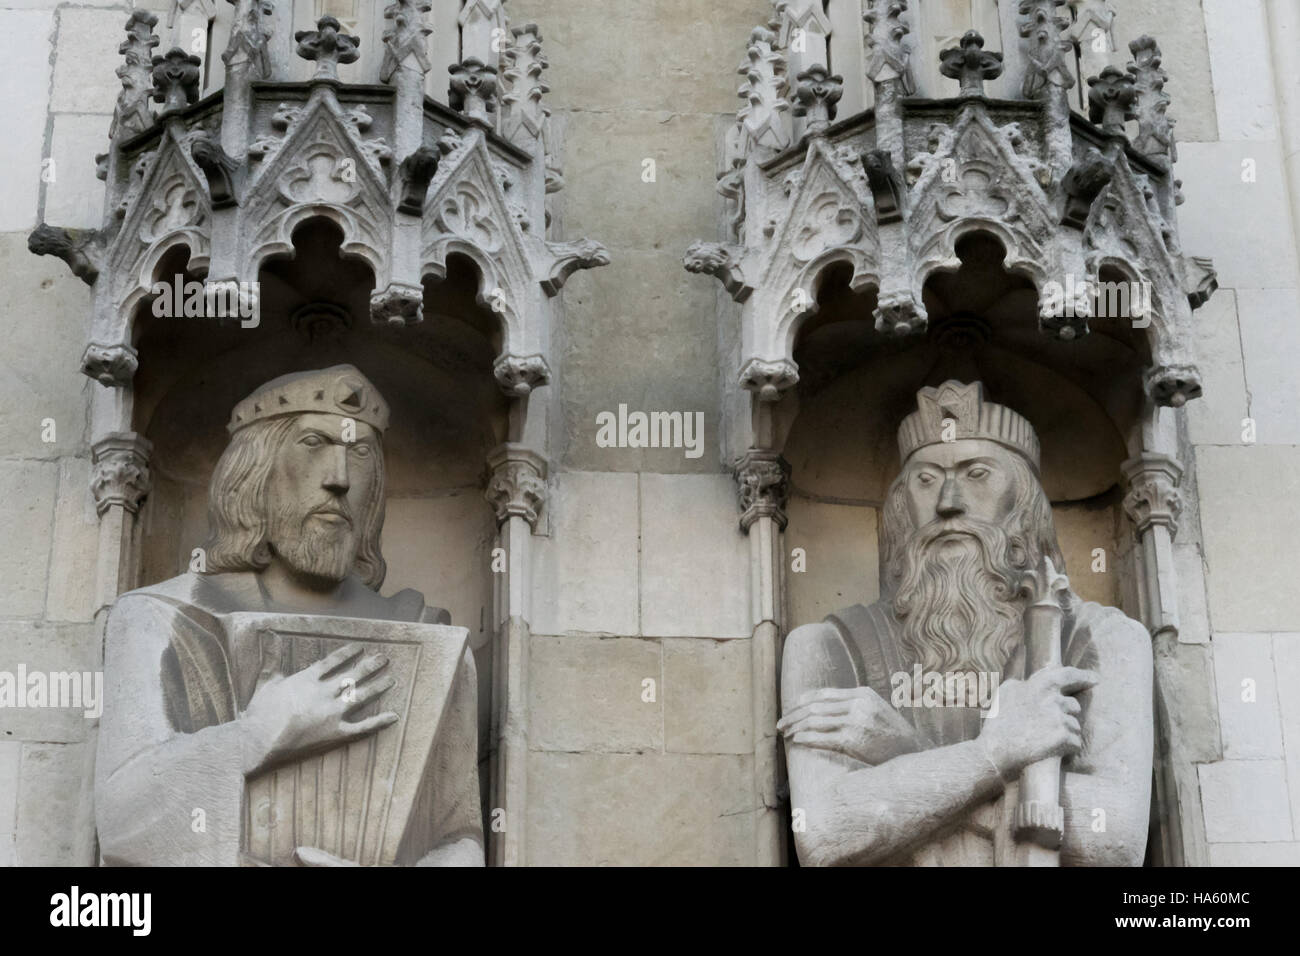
[
  {"x": 861, "y": 647},
  {"x": 168, "y": 744}
]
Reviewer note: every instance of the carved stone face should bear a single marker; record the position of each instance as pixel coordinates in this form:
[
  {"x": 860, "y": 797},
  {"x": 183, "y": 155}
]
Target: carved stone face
[
  {"x": 970, "y": 478},
  {"x": 316, "y": 496}
]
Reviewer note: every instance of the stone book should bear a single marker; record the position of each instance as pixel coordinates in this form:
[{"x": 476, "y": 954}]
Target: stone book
[{"x": 366, "y": 801}]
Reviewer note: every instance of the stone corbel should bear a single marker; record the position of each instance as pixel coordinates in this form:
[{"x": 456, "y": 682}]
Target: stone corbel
[
  {"x": 517, "y": 487},
  {"x": 518, "y": 375},
  {"x": 113, "y": 366},
  {"x": 1153, "y": 503},
  {"x": 768, "y": 379},
  {"x": 566, "y": 258},
  {"x": 723, "y": 261},
  {"x": 81, "y": 249}
]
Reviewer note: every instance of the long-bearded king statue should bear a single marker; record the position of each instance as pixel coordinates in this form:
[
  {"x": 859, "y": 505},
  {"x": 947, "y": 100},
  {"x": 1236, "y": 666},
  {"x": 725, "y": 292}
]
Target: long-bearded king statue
[
  {"x": 980, "y": 713},
  {"x": 274, "y": 709}
]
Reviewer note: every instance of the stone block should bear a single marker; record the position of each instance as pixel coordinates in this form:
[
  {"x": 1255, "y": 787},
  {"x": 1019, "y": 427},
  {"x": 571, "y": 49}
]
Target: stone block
[
  {"x": 27, "y": 490},
  {"x": 74, "y": 196},
  {"x": 1220, "y": 203},
  {"x": 11, "y": 754},
  {"x": 1242, "y": 69},
  {"x": 588, "y": 694},
  {"x": 1270, "y": 341},
  {"x": 706, "y": 696},
  {"x": 585, "y": 575},
  {"x": 640, "y": 810},
  {"x": 634, "y": 335},
  {"x": 1245, "y": 801},
  {"x": 1081, "y": 528},
  {"x": 442, "y": 547},
  {"x": 46, "y": 649},
  {"x": 1193, "y": 614},
  {"x": 1186, "y": 57},
  {"x": 1247, "y": 693},
  {"x": 1255, "y": 854},
  {"x": 1215, "y": 418},
  {"x": 85, "y": 61},
  {"x": 25, "y": 38},
  {"x": 44, "y": 316},
  {"x": 70, "y": 595},
  {"x": 54, "y": 819},
  {"x": 842, "y": 558},
  {"x": 694, "y": 558},
  {"x": 1286, "y": 664},
  {"x": 1248, "y": 521},
  {"x": 608, "y": 197}
]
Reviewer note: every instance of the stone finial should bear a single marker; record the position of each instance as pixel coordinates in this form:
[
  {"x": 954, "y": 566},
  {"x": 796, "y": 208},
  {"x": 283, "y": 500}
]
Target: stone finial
[
  {"x": 120, "y": 475},
  {"x": 1111, "y": 99},
  {"x": 1091, "y": 19},
  {"x": 816, "y": 93},
  {"x": 483, "y": 29},
  {"x": 175, "y": 79},
  {"x": 970, "y": 64},
  {"x": 517, "y": 486},
  {"x": 1153, "y": 497},
  {"x": 1048, "y": 51},
  {"x": 806, "y": 15},
  {"x": 764, "y": 92},
  {"x": 77, "y": 247},
  {"x": 473, "y": 89},
  {"x": 329, "y": 46},
  {"x": 888, "y": 57},
  {"x": 131, "y": 115},
  {"x": 763, "y": 477},
  {"x": 406, "y": 42},
  {"x": 1155, "y": 136},
  {"x": 523, "y": 114},
  {"x": 250, "y": 37}
]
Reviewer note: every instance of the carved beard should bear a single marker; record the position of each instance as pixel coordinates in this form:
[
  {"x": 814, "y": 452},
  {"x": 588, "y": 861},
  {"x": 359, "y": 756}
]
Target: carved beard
[
  {"x": 317, "y": 548},
  {"x": 956, "y": 601}
]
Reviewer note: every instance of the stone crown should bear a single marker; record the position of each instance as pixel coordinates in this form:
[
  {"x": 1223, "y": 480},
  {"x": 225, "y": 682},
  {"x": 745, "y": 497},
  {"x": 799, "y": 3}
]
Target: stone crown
[
  {"x": 339, "y": 390},
  {"x": 973, "y": 418}
]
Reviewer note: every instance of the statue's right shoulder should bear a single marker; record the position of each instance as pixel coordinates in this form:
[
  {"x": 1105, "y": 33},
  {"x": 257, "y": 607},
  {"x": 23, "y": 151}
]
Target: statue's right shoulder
[{"x": 815, "y": 656}]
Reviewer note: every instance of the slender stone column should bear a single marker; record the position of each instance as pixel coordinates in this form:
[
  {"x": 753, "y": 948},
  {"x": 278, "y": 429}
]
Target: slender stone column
[
  {"x": 119, "y": 481},
  {"x": 517, "y": 492},
  {"x": 764, "y": 479},
  {"x": 1153, "y": 504}
]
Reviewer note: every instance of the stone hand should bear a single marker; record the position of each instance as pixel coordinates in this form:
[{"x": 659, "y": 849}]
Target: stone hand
[
  {"x": 856, "y": 722},
  {"x": 307, "y": 712},
  {"x": 1036, "y": 718}
]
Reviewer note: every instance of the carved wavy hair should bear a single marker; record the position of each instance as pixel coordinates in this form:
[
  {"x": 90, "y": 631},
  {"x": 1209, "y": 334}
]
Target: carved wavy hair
[
  {"x": 1030, "y": 530},
  {"x": 238, "y": 523}
]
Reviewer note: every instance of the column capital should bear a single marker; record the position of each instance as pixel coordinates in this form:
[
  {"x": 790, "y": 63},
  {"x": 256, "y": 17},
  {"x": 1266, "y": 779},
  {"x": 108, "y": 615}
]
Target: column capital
[
  {"x": 1153, "y": 497},
  {"x": 120, "y": 474},
  {"x": 517, "y": 486},
  {"x": 764, "y": 480}
]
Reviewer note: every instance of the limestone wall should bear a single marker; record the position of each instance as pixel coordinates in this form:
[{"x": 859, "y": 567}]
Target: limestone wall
[{"x": 640, "y": 746}]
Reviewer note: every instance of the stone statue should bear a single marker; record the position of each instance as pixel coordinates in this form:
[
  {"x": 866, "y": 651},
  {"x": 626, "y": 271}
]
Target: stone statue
[
  {"x": 910, "y": 725},
  {"x": 242, "y": 722}
]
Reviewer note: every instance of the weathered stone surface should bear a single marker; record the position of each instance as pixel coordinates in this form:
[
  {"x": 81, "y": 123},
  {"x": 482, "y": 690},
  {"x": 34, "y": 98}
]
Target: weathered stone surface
[
  {"x": 1193, "y": 614},
  {"x": 25, "y": 49},
  {"x": 1229, "y": 206},
  {"x": 27, "y": 490},
  {"x": 1248, "y": 696},
  {"x": 87, "y": 56},
  {"x": 1270, "y": 341},
  {"x": 589, "y": 694},
  {"x": 75, "y": 197},
  {"x": 1255, "y": 854},
  {"x": 840, "y": 555},
  {"x": 49, "y": 649},
  {"x": 1286, "y": 663},
  {"x": 54, "y": 826},
  {"x": 71, "y": 594},
  {"x": 706, "y": 697},
  {"x": 585, "y": 578},
  {"x": 1243, "y": 83},
  {"x": 694, "y": 559},
  {"x": 642, "y": 810},
  {"x": 11, "y": 754},
  {"x": 1247, "y": 522},
  {"x": 1215, "y": 418},
  {"x": 1245, "y": 801}
]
